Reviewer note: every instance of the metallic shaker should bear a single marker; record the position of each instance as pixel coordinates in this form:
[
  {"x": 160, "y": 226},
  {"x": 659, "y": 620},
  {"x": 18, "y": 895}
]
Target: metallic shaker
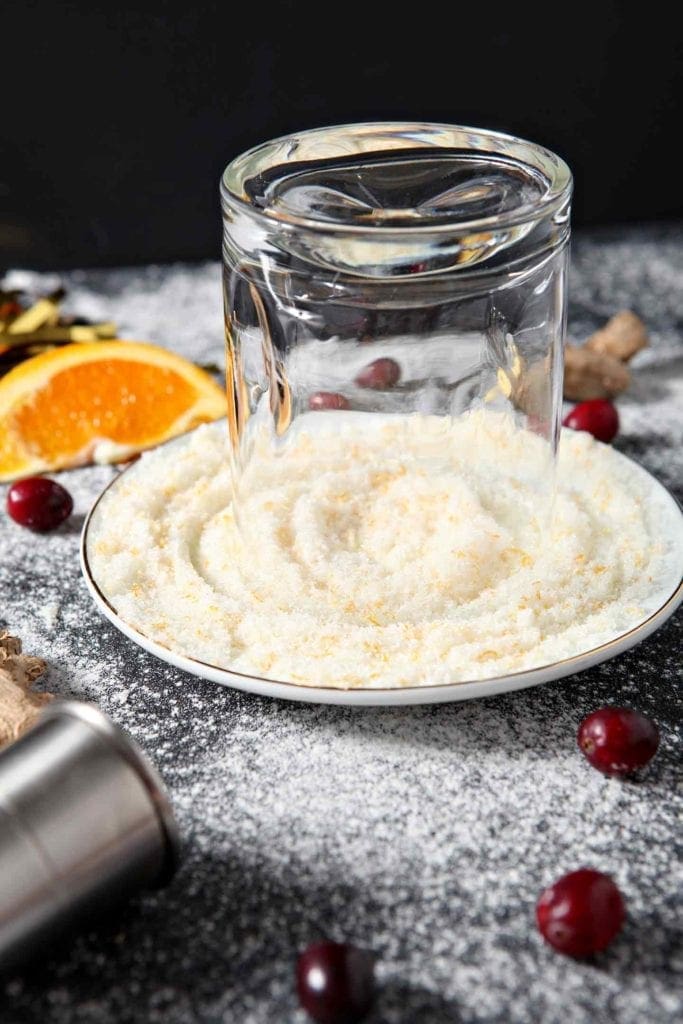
[{"x": 84, "y": 821}]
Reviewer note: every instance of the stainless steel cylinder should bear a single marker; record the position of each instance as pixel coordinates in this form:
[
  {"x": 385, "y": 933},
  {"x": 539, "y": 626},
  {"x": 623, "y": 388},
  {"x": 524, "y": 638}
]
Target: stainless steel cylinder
[{"x": 84, "y": 821}]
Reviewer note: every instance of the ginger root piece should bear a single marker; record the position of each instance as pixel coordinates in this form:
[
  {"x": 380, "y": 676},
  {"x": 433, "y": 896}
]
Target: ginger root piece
[
  {"x": 19, "y": 705},
  {"x": 597, "y": 369},
  {"x": 589, "y": 374},
  {"x": 621, "y": 337},
  {"x": 529, "y": 390}
]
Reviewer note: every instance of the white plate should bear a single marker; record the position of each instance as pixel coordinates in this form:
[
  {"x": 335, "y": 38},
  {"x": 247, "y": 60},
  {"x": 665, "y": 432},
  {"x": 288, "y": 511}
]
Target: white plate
[{"x": 670, "y": 518}]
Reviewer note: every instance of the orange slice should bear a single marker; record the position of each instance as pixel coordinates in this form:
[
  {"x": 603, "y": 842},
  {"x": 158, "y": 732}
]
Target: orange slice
[{"x": 99, "y": 402}]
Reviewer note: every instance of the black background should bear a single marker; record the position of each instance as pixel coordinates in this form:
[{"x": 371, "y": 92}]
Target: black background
[{"x": 119, "y": 117}]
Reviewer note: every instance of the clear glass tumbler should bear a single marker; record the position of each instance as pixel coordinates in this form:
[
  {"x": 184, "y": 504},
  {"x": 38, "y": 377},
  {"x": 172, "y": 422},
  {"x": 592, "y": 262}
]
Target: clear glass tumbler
[{"x": 388, "y": 280}]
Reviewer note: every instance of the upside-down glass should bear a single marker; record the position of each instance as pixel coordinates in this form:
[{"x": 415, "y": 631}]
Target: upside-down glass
[{"x": 414, "y": 269}]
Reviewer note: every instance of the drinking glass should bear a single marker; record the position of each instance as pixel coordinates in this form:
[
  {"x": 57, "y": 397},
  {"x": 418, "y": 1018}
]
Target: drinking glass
[{"x": 394, "y": 272}]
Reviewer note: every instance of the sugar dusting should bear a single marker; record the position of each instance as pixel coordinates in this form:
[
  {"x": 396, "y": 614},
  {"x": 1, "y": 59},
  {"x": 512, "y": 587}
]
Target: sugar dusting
[{"x": 426, "y": 833}]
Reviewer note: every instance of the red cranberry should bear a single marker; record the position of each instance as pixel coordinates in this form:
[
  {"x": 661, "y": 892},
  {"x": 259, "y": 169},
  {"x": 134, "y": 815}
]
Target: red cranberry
[
  {"x": 10, "y": 309},
  {"x": 581, "y": 913},
  {"x": 335, "y": 982},
  {"x": 39, "y": 503},
  {"x": 383, "y": 373},
  {"x": 616, "y": 741},
  {"x": 598, "y": 416},
  {"x": 327, "y": 400}
]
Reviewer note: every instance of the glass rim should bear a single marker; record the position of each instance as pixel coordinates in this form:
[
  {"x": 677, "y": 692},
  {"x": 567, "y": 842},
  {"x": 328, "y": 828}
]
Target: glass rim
[{"x": 539, "y": 159}]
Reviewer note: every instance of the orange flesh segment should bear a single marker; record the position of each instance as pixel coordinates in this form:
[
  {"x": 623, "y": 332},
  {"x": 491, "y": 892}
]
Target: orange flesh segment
[
  {"x": 11, "y": 460},
  {"x": 126, "y": 401}
]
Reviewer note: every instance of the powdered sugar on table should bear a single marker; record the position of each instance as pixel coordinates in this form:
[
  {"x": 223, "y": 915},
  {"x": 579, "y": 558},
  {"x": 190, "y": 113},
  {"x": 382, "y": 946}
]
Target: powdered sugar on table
[{"x": 426, "y": 833}]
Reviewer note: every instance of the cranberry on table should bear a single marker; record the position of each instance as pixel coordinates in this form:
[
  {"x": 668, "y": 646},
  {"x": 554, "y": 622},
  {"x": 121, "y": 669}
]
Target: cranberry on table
[
  {"x": 39, "y": 503},
  {"x": 597, "y": 416},
  {"x": 581, "y": 913},
  {"x": 10, "y": 309},
  {"x": 617, "y": 741},
  {"x": 380, "y": 374},
  {"x": 335, "y": 982},
  {"x": 327, "y": 400}
]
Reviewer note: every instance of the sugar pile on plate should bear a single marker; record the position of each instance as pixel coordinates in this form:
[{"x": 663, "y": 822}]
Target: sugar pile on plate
[{"x": 382, "y": 553}]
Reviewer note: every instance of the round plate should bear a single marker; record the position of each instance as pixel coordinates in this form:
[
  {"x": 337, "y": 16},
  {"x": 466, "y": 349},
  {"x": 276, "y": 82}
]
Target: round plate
[{"x": 670, "y": 518}]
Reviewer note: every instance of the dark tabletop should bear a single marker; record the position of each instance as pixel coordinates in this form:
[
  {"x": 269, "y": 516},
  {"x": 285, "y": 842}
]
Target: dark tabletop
[{"x": 423, "y": 833}]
